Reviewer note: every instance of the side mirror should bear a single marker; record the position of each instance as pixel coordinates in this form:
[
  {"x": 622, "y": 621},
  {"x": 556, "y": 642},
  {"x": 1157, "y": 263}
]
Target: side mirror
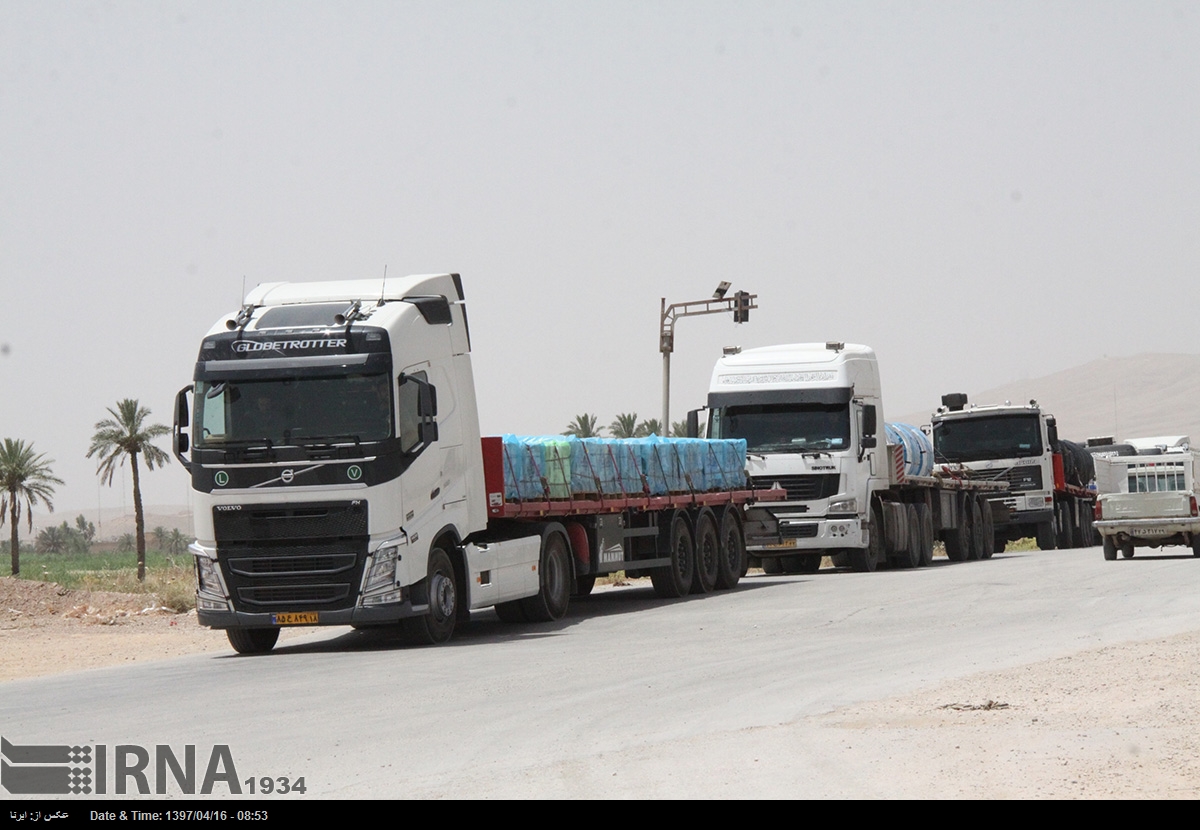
[
  {"x": 868, "y": 442},
  {"x": 693, "y": 424},
  {"x": 869, "y": 421},
  {"x": 179, "y": 441}
]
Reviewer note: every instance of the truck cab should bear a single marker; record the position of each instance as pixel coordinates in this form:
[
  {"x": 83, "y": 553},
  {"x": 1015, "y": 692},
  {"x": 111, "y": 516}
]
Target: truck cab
[
  {"x": 811, "y": 416},
  {"x": 334, "y": 447},
  {"x": 1048, "y": 479}
]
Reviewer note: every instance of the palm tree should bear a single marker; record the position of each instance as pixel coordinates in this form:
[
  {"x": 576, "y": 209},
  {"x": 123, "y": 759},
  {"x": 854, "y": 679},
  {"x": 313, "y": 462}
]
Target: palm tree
[
  {"x": 53, "y": 539},
  {"x": 24, "y": 477},
  {"x": 649, "y": 427},
  {"x": 126, "y": 433},
  {"x": 161, "y": 535},
  {"x": 625, "y": 426},
  {"x": 584, "y": 426}
]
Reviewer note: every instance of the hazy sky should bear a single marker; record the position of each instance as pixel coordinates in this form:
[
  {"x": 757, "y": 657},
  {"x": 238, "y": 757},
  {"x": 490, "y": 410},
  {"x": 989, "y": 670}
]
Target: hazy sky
[{"x": 981, "y": 191}]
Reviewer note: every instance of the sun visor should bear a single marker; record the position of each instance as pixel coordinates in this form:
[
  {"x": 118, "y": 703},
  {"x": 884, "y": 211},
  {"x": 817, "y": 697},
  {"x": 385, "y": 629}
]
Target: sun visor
[{"x": 763, "y": 397}]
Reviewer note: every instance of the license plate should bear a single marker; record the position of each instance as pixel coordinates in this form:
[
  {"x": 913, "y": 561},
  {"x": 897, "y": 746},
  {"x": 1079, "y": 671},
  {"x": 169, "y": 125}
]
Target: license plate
[
  {"x": 295, "y": 618},
  {"x": 786, "y": 543}
]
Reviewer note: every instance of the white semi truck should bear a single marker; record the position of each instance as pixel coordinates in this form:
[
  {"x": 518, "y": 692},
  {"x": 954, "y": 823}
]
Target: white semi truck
[
  {"x": 1049, "y": 496},
  {"x": 812, "y": 417},
  {"x": 1149, "y": 499},
  {"x": 339, "y": 478}
]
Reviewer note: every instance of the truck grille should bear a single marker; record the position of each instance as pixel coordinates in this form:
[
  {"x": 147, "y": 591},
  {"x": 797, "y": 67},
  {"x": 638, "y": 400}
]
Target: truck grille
[
  {"x": 805, "y": 531},
  {"x": 292, "y": 557},
  {"x": 802, "y": 487},
  {"x": 1018, "y": 478}
]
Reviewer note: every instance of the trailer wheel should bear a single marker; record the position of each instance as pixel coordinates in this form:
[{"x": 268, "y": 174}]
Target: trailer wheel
[
  {"x": 911, "y": 556},
  {"x": 252, "y": 640},
  {"x": 1065, "y": 539},
  {"x": 1110, "y": 549},
  {"x": 584, "y": 585},
  {"x": 925, "y": 521},
  {"x": 554, "y": 580},
  {"x": 958, "y": 539},
  {"x": 675, "y": 579},
  {"x": 708, "y": 553},
  {"x": 988, "y": 534},
  {"x": 731, "y": 566},
  {"x": 439, "y": 591},
  {"x": 977, "y": 547}
]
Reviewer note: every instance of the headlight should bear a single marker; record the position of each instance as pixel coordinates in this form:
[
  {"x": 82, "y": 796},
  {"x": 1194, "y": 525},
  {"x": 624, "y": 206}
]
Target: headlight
[
  {"x": 382, "y": 575},
  {"x": 844, "y": 506}
]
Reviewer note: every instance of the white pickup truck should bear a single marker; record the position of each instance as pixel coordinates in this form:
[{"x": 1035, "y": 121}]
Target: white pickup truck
[{"x": 1148, "y": 501}]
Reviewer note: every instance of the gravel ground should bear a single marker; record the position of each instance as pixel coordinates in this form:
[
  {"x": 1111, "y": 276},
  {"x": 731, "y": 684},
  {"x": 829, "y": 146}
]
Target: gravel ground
[{"x": 1115, "y": 722}]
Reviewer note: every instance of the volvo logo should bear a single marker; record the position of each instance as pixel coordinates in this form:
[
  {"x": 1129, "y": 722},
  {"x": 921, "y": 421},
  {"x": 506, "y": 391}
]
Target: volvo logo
[{"x": 286, "y": 476}]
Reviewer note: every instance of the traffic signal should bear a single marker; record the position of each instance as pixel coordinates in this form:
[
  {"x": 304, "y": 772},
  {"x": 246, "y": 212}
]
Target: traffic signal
[{"x": 741, "y": 307}]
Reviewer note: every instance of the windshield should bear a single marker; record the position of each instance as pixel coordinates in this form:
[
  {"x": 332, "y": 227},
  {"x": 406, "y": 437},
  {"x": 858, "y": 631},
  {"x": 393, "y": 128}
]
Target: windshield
[
  {"x": 293, "y": 411},
  {"x": 980, "y": 438},
  {"x": 790, "y": 427}
]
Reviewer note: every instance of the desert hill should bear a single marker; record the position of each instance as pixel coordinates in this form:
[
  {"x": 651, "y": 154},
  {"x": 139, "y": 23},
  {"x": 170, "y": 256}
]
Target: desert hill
[{"x": 1127, "y": 397}]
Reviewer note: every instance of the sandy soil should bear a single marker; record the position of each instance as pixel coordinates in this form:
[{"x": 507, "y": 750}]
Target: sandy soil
[{"x": 1115, "y": 722}]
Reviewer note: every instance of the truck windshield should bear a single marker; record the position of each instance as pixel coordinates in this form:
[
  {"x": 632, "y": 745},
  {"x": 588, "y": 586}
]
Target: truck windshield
[
  {"x": 987, "y": 437},
  {"x": 293, "y": 411},
  {"x": 784, "y": 427}
]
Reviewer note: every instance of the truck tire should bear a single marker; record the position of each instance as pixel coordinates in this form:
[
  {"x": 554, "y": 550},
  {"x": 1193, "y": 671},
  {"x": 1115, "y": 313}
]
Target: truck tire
[
  {"x": 439, "y": 591},
  {"x": 1110, "y": 549},
  {"x": 675, "y": 580},
  {"x": 911, "y": 557},
  {"x": 732, "y": 565},
  {"x": 584, "y": 585},
  {"x": 925, "y": 520},
  {"x": 1196, "y": 544},
  {"x": 988, "y": 534},
  {"x": 958, "y": 539},
  {"x": 866, "y": 560},
  {"x": 708, "y": 553},
  {"x": 252, "y": 640},
  {"x": 1045, "y": 535},
  {"x": 978, "y": 544},
  {"x": 1127, "y": 549},
  {"x": 555, "y": 580},
  {"x": 1064, "y": 539}
]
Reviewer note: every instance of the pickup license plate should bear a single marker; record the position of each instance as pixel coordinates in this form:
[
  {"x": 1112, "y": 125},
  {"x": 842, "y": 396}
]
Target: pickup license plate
[{"x": 295, "y": 618}]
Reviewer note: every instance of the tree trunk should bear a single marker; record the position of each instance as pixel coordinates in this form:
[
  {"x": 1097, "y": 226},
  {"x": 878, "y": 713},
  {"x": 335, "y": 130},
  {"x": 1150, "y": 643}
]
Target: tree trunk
[
  {"x": 13, "y": 548},
  {"x": 140, "y": 521}
]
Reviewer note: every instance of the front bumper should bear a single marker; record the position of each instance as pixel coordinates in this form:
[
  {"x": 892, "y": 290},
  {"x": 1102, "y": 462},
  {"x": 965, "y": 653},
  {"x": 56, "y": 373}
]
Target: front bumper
[{"x": 808, "y": 533}]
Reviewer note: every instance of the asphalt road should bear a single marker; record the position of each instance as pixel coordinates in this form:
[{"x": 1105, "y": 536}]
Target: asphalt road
[{"x": 627, "y": 696}]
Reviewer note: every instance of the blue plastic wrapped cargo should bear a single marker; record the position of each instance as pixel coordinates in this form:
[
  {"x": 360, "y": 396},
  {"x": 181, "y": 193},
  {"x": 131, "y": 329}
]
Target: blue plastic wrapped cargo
[{"x": 918, "y": 449}]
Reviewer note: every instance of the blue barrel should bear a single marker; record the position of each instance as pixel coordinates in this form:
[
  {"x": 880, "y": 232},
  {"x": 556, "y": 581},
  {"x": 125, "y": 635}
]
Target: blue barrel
[{"x": 918, "y": 449}]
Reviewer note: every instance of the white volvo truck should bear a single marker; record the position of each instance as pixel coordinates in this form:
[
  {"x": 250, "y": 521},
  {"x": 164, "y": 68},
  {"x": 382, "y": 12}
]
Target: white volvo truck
[
  {"x": 812, "y": 417},
  {"x": 339, "y": 478}
]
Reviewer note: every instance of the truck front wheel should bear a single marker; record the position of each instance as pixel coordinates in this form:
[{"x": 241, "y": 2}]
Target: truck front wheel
[
  {"x": 1045, "y": 536},
  {"x": 439, "y": 591},
  {"x": 252, "y": 640}
]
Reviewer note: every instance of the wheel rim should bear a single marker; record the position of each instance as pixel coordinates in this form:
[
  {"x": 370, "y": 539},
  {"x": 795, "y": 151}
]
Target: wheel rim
[{"x": 443, "y": 597}]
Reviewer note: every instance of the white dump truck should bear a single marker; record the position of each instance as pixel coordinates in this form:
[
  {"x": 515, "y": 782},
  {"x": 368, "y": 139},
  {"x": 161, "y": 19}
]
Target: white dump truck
[
  {"x": 812, "y": 417},
  {"x": 1148, "y": 499},
  {"x": 339, "y": 478}
]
